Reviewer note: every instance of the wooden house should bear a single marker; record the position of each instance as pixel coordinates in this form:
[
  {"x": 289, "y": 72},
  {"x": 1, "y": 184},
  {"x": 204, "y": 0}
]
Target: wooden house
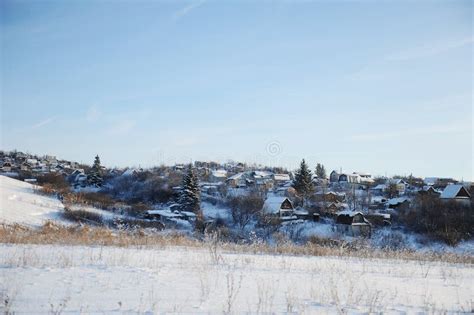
[
  {"x": 218, "y": 176},
  {"x": 456, "y": 192},
  {"x": 353, "y": 223},
  {"x": 278, "y": 206},
  {"x": 7, "y": 167}
]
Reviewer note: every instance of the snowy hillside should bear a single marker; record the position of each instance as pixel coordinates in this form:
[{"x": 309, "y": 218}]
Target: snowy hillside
[
  {"x": 39, "y": 279},
  {"x": 20, "y": 204}
]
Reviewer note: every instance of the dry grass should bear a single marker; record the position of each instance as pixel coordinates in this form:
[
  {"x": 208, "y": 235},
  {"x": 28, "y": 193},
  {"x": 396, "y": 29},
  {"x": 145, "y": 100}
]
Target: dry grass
[{"x": 52, "y": 233}]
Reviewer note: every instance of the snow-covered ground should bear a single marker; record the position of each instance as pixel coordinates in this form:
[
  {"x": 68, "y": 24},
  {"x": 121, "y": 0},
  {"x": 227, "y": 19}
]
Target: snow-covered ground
[
  {"x": 42, "y": 279},
  {"x": 20, "y": 204},
  {"x": 215, "y": 211}
]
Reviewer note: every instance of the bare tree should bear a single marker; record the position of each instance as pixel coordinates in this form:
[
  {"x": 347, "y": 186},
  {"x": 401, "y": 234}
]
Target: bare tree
[{"x": 245, "y": 208}]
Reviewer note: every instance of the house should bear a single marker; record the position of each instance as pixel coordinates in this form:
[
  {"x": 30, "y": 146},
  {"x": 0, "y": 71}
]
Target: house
[
  {"x": 286, "y": 190},
  {"x": 399, "y": 183},
  {"x": 50, "y": 158},
  {"x": 379, "y": 189},
  {"x": 377, "y": 201},
  {"x": 24, "y": 166},
  {"x": 333, "y": 207},
  {"x": 398, "y": 203},
  {"x": 365, "y": 178},
  {"x": 238, "y": 180},
  {"x": 349, "y": 178},
  {"x": 438, "y": 182},
  {"x": 179, "y": 167},
  {"x": 131, "y": 172},
  {"x": 334, "y": 177},
  {"x": 456, "y": 193},
  {"x": 32, "y": 162},
  {"x": 218, "y": 176},
  {"x": 281, "y": 179},
  {"x": 7, "y": 167},
  {"x": 331, "y": 196},
  {"x": 353, "y": 223},
  {"x": 278, "y": 206},
  {"x": 429, "y": 191},
  {"x": 78, "y": 178}
]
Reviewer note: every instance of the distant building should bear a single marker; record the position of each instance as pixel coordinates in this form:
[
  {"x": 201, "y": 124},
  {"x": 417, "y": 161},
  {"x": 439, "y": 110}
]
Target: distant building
[
  {"x": 400, "y": 185},
  {"x": 398, "y": 203},
  {"x": 278, "y": 206},
  {"x": 353, "y": 223},
  {"x": 456, "y": 193},
  {"x": 429, "y": 191},
  {"x": 218, "y": 176},
  {"x": 7, "y": 167}
]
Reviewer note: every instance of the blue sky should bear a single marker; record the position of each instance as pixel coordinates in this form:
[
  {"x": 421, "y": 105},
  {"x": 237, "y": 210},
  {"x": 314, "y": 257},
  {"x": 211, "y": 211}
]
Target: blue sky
[{"x": 383, "y": 87}]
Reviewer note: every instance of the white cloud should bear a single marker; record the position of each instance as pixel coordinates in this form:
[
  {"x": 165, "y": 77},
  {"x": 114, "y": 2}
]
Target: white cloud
[
  {"x": 378, "y": 68},
  {"x": 429, "y": 49},
  {"x": 43, "y": 122},
  {"x": 187, "y": 9}
]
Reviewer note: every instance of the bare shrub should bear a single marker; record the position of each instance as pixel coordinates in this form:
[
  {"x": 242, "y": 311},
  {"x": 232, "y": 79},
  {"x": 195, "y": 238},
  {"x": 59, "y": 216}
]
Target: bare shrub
[
  {"x": 131, "y": 223},
  {"x": 450, "y": 221},
  {"x": 83, "y": 216},
  {"x": 96, "y": 199},
  {"x": 52, "y": 233},
  {"x": 233, "y": 287},
  {"x": 52, "y": 183}
]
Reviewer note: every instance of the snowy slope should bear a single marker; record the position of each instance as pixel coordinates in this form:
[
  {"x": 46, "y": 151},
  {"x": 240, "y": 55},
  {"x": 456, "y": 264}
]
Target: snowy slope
[
  {"x": 97, "y": 280},
  {"x": 20, "y": 204}
]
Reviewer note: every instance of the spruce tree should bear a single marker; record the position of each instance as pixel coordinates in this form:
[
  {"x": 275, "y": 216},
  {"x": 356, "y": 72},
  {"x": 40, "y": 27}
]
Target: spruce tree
[
  {"x": 190, "y": 197},
  {"x": 94, "y": 177},
  {"x": 320, "y": 171},
  {"x": 303, "y": 183}
]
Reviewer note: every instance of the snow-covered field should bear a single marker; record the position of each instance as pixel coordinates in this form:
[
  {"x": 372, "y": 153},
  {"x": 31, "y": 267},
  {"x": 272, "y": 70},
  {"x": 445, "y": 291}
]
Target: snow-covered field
[
  {"x": 20, "y": 204},
  {"x": 39, "y": 279}
]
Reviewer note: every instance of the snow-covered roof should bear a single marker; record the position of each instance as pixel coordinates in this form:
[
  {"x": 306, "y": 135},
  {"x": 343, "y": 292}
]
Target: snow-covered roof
[
  {"x": 262, "y": 174},
  {"x": 378, "y": 199},
  {"x": 396, "y": 181},
  {"x": 430, "y": 180},
  {"x": 281, "y": 177},
  {"x": 331, "y": 193},
  {"x": 301, "y": 212},
  {"x": 273, "y": 204},
  {"x": 129, "y": 172},
  {"x": 396, "y": 201},
  {"x": 237, "y": 176},
  {"x": 166, "y": 213},
  {"x": 427, "y": 188},
  {"x": 452, "y": 191},
  {"x": 349, "y": 213},
  {"x": 219, "y": 173}
]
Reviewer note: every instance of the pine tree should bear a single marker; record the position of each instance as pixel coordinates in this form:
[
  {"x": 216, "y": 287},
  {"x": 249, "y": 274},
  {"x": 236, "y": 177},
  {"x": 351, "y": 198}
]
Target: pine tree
[
  {"x": 94, "y": 177},
  {"x": 190, "y": 197},
  {"x": 303, "y": 183},
  {"x": 320, "y": 171}
]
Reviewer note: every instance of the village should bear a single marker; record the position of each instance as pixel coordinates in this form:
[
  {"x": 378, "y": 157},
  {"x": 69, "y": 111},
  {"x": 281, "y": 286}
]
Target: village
[{"x": 353, "y": 203}]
